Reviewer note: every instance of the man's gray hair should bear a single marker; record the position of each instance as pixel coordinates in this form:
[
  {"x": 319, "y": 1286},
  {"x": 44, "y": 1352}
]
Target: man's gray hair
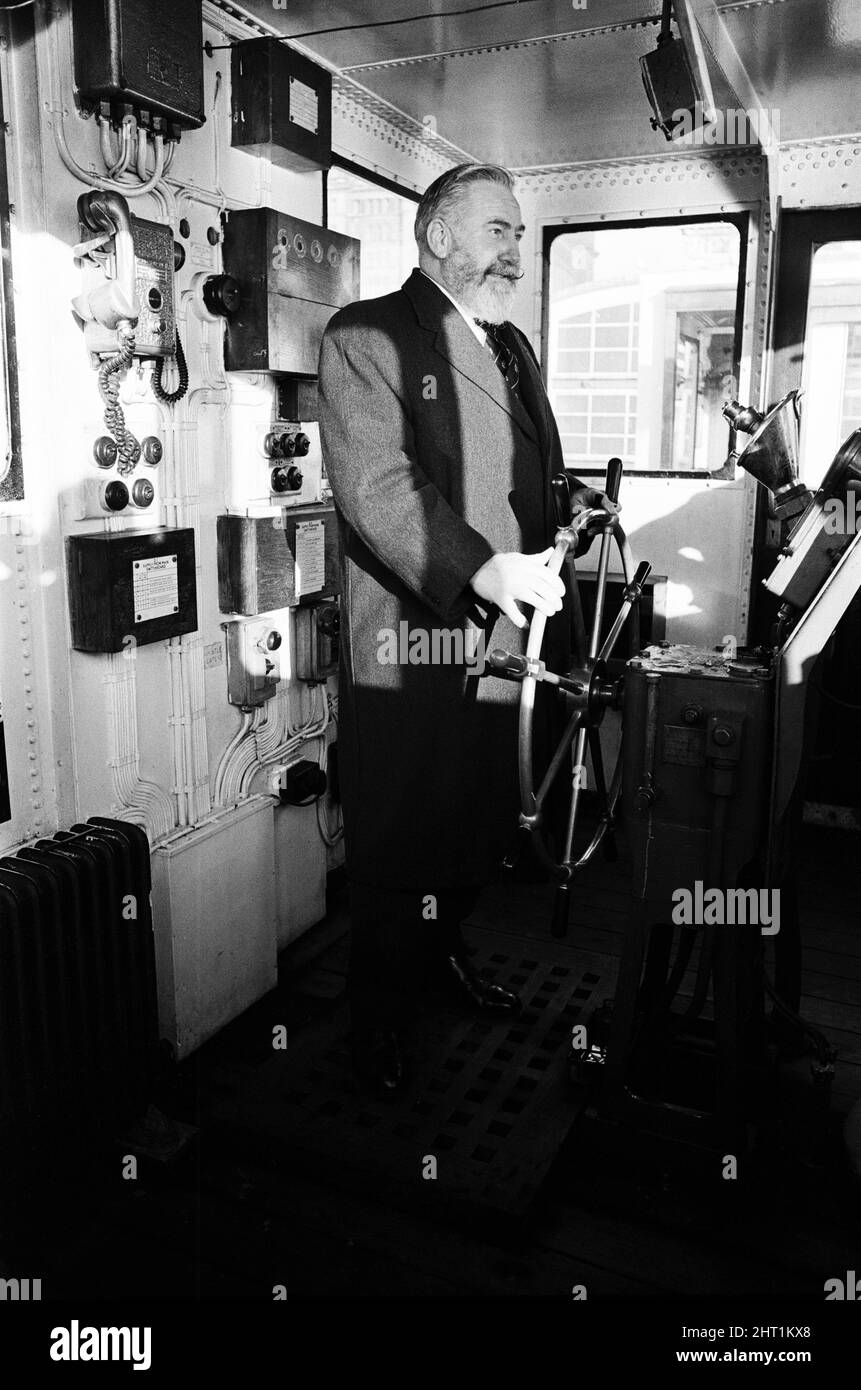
[{"x": 444, "y": 193}]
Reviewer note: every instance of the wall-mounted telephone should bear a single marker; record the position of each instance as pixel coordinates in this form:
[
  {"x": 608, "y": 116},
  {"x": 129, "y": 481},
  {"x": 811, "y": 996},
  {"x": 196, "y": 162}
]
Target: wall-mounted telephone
[
  {"x": 127, "y": 311},
  {"x": 128, "y": 275}
]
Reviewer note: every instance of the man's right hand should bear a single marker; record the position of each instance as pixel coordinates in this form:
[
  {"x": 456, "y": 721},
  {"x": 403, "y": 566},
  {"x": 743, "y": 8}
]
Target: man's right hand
[{"x": 512, "y": 578}]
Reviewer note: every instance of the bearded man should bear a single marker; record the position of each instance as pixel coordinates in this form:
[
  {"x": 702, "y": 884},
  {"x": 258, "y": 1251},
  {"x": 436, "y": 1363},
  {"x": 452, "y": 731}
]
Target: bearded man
[{"x": 439, "y": 444}]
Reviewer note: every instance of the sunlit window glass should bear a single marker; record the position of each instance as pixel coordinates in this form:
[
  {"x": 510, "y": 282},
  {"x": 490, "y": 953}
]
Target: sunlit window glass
[
  {"x": 831, "y": 404},
  {"x": 641, "y": 344},
  {"x": 383, "y": 222}
]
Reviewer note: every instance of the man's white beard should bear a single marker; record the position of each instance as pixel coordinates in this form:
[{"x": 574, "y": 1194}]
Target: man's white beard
[
  {"x": 488, "y": 296},
  {"x": 492, "y": 298}
]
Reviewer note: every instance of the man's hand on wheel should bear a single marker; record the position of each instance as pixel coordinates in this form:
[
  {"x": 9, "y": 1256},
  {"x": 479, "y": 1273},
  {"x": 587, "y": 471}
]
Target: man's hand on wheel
[
  {"x": 512, "y": 578},
  {"x": 591, "y": 497}
]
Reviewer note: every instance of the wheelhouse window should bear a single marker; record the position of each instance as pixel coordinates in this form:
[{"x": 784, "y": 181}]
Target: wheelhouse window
[
  {"x": 642, "y": 329},
  {"x": 831, "y": 380},
  {"x": 383, "y": 220}
]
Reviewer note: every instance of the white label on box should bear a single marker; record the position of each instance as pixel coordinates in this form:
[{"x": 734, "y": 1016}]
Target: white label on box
[
  {"x": 304, "y": 107},
  {"x": 310, "y": 557},
  {"x": 156, "y": 587}
]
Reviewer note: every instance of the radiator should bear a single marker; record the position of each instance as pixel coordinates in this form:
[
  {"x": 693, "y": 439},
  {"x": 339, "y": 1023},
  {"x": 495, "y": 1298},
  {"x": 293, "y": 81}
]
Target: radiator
[{"x": 78, "y": 1014}]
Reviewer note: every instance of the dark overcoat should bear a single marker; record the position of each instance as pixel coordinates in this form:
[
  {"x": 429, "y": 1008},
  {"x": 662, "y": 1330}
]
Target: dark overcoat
[{"x": 434, "y": 466}]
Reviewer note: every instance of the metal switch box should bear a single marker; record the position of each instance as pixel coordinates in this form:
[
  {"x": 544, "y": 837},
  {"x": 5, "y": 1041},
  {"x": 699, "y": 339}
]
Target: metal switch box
[
  {"x": 277, "y": 562},
  {"x": 282, "y": 105},
  {"x": 292, "y": 275},
  {"x": 254, "y": 654},
  {"x": 148, "y": 56}
]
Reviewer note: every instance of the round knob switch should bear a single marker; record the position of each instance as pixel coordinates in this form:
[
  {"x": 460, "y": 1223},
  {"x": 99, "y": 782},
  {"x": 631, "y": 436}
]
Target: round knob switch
[
  {"x": 143, "y": 493},
  {"x": 152, "y": 450},
  {"x": 303, "y": 444},
  {"x": 115, "y": 496},
  {"x": 222, "y": 294},
  {"x": 723, "y": 736},
  {"x": 105, "y": 451},
  {"x": 286, "y": 479}
]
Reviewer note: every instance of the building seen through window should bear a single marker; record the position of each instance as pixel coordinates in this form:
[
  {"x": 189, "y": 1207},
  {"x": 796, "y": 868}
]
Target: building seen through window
[
  {"x": 641, "y": 342},
  {"x": 383, "y": 222}
]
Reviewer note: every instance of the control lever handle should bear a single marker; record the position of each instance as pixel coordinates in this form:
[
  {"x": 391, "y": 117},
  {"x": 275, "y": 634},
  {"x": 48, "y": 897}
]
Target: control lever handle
[
  {"x": 614, "y": 480},
  {"x": 641, "y": 574},
  {"x": 508, "y": 664},
  {"x": 561, "y": 499}
]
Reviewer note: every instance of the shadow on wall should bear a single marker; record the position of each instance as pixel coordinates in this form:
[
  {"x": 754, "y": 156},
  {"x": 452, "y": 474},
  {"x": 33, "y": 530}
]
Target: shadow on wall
[{"x": 695, "y": 548}]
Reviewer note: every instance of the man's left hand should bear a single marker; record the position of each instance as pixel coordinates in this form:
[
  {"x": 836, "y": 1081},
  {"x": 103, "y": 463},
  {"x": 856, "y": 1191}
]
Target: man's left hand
[{"x": 591, "y": 497}]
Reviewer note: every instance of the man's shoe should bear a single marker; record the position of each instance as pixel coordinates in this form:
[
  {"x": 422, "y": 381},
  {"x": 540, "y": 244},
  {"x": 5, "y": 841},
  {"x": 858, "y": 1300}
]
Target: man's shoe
[
  {"x": 377, "y": 1060},
  {"x": 481, "y": 993}
]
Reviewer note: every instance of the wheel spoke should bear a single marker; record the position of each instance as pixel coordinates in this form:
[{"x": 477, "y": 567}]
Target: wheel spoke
[
  {"x": 575, "y": 795},
  {"x": 633, "y": 591},
  {"x": 613, "y": 635},
  {"x": 600, "y": 590},
  {"x": 579, "y": 640},
  {"x": 598, "y": 768},
  {"x": 557, "y": 759}
]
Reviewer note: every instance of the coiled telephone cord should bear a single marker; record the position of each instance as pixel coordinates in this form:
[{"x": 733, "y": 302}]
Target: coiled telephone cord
[{"x": 109, "y": 388}]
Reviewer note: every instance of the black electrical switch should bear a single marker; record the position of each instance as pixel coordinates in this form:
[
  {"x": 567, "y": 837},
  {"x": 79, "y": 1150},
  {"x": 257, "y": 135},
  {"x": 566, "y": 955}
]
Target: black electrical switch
[
  {"x": 304, "y": 783},
  {"x": 222, "y": 295}
]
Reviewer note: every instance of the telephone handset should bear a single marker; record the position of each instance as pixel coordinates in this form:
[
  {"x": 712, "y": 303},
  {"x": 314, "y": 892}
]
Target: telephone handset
[{"x": 111, "y": 301}]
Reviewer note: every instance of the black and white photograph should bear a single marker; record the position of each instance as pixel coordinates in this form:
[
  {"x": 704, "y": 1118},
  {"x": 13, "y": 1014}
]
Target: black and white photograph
[{"x": 430, "y": 680}]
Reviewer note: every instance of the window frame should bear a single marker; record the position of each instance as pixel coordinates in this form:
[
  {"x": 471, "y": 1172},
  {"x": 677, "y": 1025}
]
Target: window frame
[
  {"x": 800, "y": 234},
  {"x": 12, "y": 477},
  {"x": 740, "y": 220},
  {"x": 371, "y": 176}
]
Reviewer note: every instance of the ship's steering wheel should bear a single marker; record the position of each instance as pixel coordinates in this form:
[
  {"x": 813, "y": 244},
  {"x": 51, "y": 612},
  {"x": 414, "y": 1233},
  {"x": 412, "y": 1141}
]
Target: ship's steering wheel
[{"x": 586, "y": 690}]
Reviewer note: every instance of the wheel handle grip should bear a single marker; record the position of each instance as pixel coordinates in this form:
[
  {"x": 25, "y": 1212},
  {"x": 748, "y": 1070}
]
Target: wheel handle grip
[
  {"x": 507, "y": 663},
  {"x": 614, "y": 480},
  {"x": 561, "y": 499}
]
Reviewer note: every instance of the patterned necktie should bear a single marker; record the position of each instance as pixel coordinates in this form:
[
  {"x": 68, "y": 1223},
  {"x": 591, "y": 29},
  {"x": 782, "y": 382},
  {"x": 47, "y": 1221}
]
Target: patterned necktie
[{"x": 501, "y": 353}]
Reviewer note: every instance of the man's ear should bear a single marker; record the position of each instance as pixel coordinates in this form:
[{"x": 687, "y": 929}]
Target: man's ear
[{"x": 438, "y": 239}]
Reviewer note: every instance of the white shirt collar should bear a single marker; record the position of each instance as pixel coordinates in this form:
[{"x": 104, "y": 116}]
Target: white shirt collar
[{"x": 465, "y": 314}]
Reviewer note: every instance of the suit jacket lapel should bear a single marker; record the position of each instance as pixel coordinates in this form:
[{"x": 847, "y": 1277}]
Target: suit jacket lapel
[
  {"x": 459, "y": 346},
  {"x": 531, "y": 386}
]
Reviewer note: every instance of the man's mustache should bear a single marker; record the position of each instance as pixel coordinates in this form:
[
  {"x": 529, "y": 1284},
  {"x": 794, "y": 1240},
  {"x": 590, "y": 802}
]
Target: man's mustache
[{"x": 506, "y": 274}]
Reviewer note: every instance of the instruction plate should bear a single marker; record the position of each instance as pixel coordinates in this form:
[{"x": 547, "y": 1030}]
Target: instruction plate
[
  {"x": 156, "y": 587},
  {"x": 304, "y": 105},
  {"x": 310, "y": 557}
]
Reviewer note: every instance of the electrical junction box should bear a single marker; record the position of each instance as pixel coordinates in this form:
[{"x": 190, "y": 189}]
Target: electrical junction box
[
  {"x": 148, "y": 56},
  {"x": 671, "y": 87},
  {"x": 282, "y": 105},
  {"x": 277, "y": 562},
  {"x": 129, "y": 584},
  {"x": 104, "y": 491},
  {"x": 280, "y": 465},
  {"x": 292, "y": 276},
  {"x": 135, "y": 499},
  {"x": 257, "y": 658},
  {"x": 318, "y": 630}
]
